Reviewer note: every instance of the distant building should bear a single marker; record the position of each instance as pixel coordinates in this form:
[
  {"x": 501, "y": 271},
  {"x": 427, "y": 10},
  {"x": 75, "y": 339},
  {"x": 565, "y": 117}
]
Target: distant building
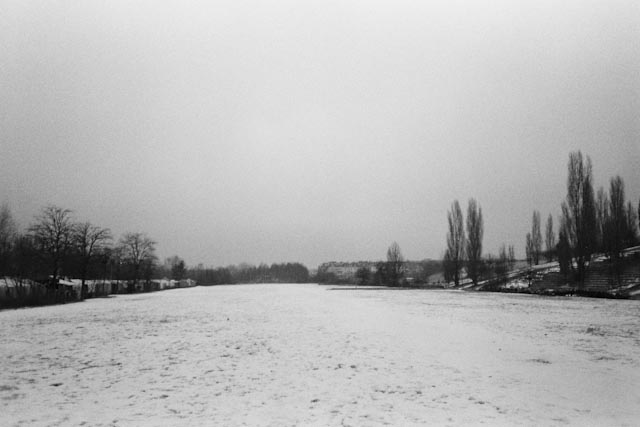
[{"x": 346, "y": 271}]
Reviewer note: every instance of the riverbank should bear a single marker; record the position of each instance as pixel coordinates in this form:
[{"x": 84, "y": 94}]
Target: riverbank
[
  {"x": 17, "y": 293},
  {"x": 301, "y": 355}
]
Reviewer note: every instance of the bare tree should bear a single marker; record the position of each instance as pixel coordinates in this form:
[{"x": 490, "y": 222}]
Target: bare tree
[
  {"x": 550, "y": 239},
  {"x": 448, "y": 267},
  {"x": 8, "y": 234},
  {"x": 177, "y": 267},
  {"x": 602, "y": 219},
  {"x": 579, "y": 212},
  {"x": 529, "y": 249},
  {"x": 138, "y": 250},
  {"x": 563, "y": 250},
  {"x": 25, "y": 258},
  {"x": 536, "y": 238},
  {"x": 53, "y": 236},
  {"x": 90, "y": 240},
  {"x": 362, "y": 276},
  {"x": 395, "y": 265},
  {"x": 616, "y": 230},
  {"x": 502, "y": 263},
  {"x": 7, "y": 225},
  {"x": 505, "y": 261},
  {"x": 632, "y": 233},
  {"x": 455, "y": 241},
  {"x": 475, "y": 232},
  {"x": 512, "y": 258}
]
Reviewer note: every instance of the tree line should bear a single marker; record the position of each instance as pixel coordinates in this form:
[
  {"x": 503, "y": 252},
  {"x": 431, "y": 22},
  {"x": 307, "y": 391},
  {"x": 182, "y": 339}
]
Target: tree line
[
  {"x": 590, "y": 224},
  {"x": 247, "y": 273},
  {"x": 55, "y": 245},
  {"x": 603, "y": 223},
  {"x": 394, "y": 271},
  {"x": 383, "y": 273},
  {"x": 464, "y": 247}
]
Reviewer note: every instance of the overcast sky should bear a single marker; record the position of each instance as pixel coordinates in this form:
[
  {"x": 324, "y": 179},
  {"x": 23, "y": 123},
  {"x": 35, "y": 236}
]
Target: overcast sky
[{"x": 272, "y": 131}]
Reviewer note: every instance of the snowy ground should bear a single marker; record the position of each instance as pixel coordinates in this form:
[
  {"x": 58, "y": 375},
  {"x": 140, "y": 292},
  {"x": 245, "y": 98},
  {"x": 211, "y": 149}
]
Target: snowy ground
[{"x": 306, "y": 355}]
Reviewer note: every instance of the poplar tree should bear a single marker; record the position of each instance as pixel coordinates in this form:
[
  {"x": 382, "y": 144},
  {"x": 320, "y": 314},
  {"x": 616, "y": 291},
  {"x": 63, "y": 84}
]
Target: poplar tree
[
  {"x": 536, "y": 238},
  {"x": 550, "y": 239},
  {"x": 454, "y": 256},
  {"x": 578, "y": 211},
  {"x": 475, "y": 232},
  {"x": 395, "y": 265}
]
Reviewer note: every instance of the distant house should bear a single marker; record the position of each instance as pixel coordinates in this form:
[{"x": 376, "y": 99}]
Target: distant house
[
  {"x": 165, "y": 283},
  {"x": 118, "y": 286},
  {"x": 187, "y": 283},
  {"x": 12, "y": 289},
  {"x": 162, "y": 284},
  {"x": 98, "y": 288},
  {"x": 73, "y": 287},
  {"x": 345, "y": 271}
]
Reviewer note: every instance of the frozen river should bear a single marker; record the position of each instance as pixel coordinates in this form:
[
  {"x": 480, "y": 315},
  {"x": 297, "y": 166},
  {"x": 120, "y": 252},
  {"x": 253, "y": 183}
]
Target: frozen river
[{"x": 307, "y": 355}]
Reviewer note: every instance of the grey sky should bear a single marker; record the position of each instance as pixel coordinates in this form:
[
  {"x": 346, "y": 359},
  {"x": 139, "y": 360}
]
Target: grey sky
[{"x": 312, "y": 131}]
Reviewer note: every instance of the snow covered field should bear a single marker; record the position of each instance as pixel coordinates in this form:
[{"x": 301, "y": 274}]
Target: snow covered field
[{"x": 306, "y": 355}]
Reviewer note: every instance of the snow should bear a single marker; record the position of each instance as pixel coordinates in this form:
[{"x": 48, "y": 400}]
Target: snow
[
  {"x": 307, "y": 355},
  {"x": 517, "y": 284}
]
